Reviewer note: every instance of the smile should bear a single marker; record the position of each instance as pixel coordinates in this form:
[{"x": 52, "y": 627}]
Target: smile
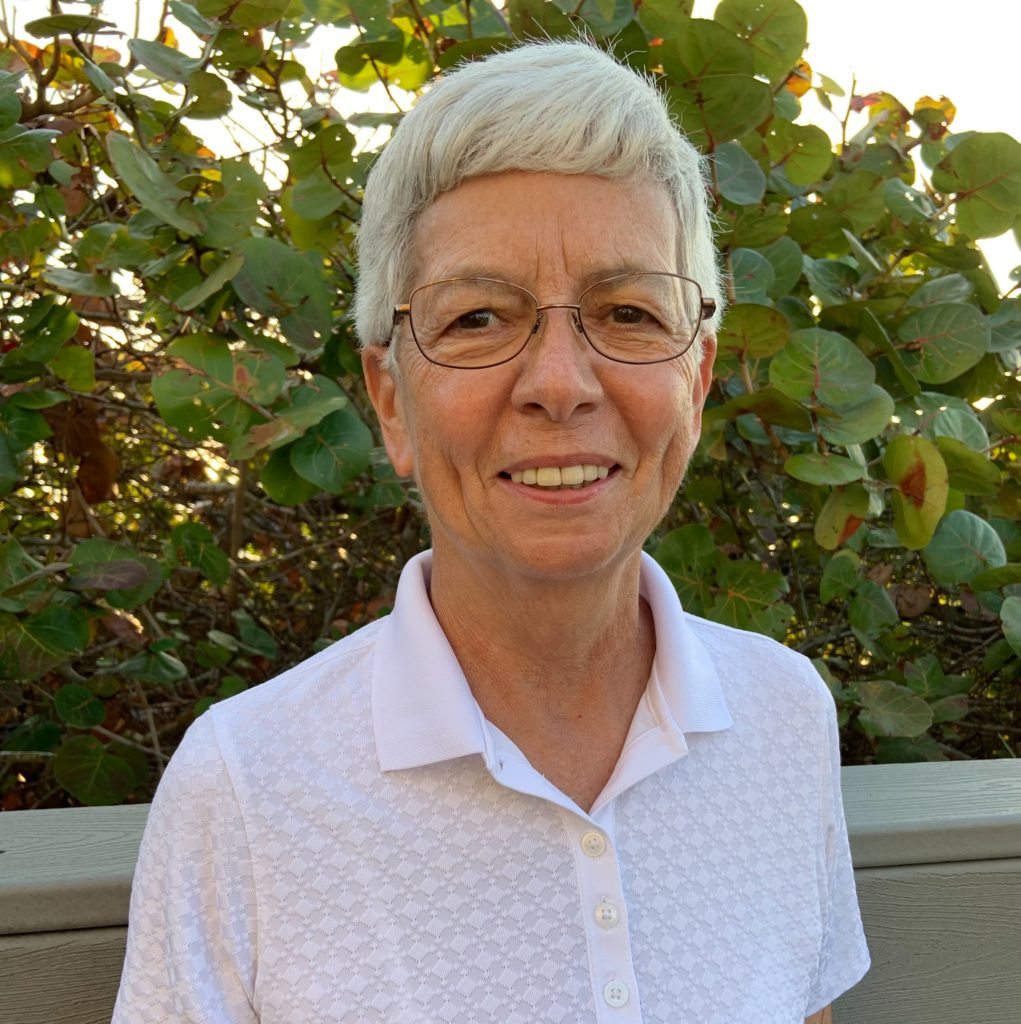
[{"x": 572, "y": 477}]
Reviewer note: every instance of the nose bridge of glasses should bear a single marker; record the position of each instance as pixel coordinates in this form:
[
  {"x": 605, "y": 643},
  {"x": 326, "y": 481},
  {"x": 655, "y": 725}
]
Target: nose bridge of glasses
[{"x": 572, "y": 306}]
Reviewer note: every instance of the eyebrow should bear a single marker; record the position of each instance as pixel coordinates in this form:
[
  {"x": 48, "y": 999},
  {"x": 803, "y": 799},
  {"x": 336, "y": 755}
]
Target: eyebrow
[{"x": 602, "y": 274}]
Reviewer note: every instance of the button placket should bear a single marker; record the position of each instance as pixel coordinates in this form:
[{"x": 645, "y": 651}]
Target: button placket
[{"x": 604, "y": 915}]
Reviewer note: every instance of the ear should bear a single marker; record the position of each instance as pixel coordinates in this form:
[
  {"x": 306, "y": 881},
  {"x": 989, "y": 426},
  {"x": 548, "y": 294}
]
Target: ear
[
  {"x": 703, "y": 378},
  {"x": 385, "y": 392}
]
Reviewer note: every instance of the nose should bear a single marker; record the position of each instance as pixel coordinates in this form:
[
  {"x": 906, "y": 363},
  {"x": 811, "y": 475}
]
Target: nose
[{"x": 557, "y": 373}]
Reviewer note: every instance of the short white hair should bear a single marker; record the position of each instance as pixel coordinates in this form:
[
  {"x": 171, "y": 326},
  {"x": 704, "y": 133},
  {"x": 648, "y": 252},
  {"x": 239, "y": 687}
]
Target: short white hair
[{"x": 552, "y": 107}]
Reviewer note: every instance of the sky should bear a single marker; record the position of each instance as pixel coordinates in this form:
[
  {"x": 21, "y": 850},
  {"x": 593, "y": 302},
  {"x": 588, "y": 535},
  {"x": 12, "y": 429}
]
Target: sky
[{"x": 911, "y": 48}]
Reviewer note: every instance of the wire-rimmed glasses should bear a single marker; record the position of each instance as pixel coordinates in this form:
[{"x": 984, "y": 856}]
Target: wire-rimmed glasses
[{"x": 472, "y": 323}]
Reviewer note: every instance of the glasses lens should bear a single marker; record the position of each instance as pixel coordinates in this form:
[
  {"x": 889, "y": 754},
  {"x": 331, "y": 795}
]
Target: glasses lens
[
  {"x": 641, "y": 318},
  {"x": 471, "y": 322}
]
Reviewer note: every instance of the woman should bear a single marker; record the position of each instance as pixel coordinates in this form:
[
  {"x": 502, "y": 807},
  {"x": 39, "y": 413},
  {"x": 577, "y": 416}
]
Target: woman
[{"x": 538, "y": 790}]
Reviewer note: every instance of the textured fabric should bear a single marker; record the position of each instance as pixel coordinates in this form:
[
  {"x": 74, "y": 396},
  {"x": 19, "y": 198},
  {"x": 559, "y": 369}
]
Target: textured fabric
[{"x": 353, "y": 842}]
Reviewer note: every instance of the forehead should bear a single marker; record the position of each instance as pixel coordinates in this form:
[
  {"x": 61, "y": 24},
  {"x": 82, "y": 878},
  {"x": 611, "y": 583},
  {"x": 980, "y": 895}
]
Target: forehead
[{"x": 546, "y": 229}]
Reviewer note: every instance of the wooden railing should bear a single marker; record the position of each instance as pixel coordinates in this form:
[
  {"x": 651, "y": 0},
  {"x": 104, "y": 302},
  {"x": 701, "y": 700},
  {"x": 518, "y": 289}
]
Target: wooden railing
[{"x": 937, "y": 852}]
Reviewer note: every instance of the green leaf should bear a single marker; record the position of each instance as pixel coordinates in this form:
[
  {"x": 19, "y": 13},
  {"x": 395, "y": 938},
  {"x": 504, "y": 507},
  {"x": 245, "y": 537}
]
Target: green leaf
[
  {"x": 816, "y": 468},
  {"x": 944, "y": 340},
  {"x": 1010, "y": 616},
  {"x": 776, "y": 32},
  {"x": 748, "y": 597},
  {"x": 739, "y": 178},
  {"x": 859, "y": 198},
  {"x": 874, "y": 331},
  {"x": 916, "y": 469},
  {"x": 78, "y": 283},
  {"x": 831, "y": 281},
  {"x": 906, "y": 203},
  {"x": 76, "y": 367},
  {"x": 948, "y": 288},
  {"x": 152, "y": 666},
  {"x": 984, "y": 171},
  {"x": 201, "y": 550},
  {"x": 164, "y": 60},
  {"x": 688, "y": 556},
  {"x": 785, "y": 257},
  {"x": 842, "y": 513},
  {"x": 61, "y": 24},
  {"x": 841, "y": 575},
  {"x": 78, "y": 706},
  {"x": 872, "y": 610},
  {"x": 281, "y": 481},
  {"x": 993, "y": 579},
  {"x": 962, "y": 547},
  {"x": 208, "y": 96},
  {"x": 969, "y": 471},
  {"x": 99, "y": 564},
  {"x": 888, "y": 709},
  {"x": 752, "y": 274},
  {"x": 306, "y": 406},
  {"x": 91, "y": 773},
  {"x": 243, "y": 13},
  {"x": 822, "y": 364},
  {"x": 230, "y": 216},
  {"x": 755, "y": 330},
  {"x": 802, "y": 151},
  {"x": 333, "y": 452},
  {"x": 721, "y": 107},
  {"x": 861, "y": 421},
  {"x": 770, "y": 405},
  {"x": 190, "y": 18},
  {"x": 936, "y": 415},
  {"x": 44, "y": 640},
  {"x": 115, "y": 574},
  {"x": 925, "y": 676},
  {"x": 213, "y": 282},
  {"x": 289, "y": 285},
  {"x": 157, "y": 192},
  {"x": 35, "y": 733}
]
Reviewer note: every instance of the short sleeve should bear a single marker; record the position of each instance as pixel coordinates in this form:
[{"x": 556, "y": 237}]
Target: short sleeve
[
  {"x": 843, "y": 953},
  {"x": 192, "y": 926}
]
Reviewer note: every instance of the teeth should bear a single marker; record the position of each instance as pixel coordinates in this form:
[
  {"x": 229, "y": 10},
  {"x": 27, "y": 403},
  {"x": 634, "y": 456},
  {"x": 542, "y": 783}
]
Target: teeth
[{"x": 573, "y": 477}]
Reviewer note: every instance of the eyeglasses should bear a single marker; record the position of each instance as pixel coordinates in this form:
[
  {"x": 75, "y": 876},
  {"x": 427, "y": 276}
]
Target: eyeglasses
[{"x": 472, "y": 323}]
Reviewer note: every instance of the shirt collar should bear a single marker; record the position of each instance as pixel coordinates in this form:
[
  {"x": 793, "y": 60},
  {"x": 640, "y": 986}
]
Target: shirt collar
[{"x": 423, "y": 710}]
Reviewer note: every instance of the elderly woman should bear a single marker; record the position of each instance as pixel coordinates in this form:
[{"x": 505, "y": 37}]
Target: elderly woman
[{"x": 538, "y": 791}]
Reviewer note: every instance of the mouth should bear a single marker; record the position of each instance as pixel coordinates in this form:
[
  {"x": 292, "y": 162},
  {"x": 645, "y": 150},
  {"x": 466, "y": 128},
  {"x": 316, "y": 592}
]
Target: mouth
[{"x": 560, "y": 478}]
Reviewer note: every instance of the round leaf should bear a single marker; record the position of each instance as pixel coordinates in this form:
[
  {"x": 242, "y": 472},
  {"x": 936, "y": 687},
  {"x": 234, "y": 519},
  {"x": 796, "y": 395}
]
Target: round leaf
[
  {"x": 334, "y": 451},
  {"x": 39, "y": 642},
  {"x": 90, "y": 773},
  {"x": 282, "y": 482},
  {"x": 78, "y": 706},
  {"x": 801, "y": 151},
  {"x": 860, "y": 422},
  {"x": 1010, "y": 616},
  {"x": 756, "y": 330},
  {"x": 916, "y": 469},
  {"x": 752, "y": 274},
  {"x": 822, "y": 364},
  {"x": 841, "y": 515},
  {"x": 775, "y": 32},
  {"x": 962, "y": 547},
  {"x": 738, "y": 176},
  {"x": 816, "y": 468},
  {"x": 888, "y": 709},
  {"x": 984, "y": 170},
  {"x": 944, "y": 340},
  {"x": 785, "y": 257}
]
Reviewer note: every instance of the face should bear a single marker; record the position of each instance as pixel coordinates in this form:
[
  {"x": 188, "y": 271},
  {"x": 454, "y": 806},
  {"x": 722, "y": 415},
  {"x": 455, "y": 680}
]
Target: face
[{"x": 468, "y": 436}]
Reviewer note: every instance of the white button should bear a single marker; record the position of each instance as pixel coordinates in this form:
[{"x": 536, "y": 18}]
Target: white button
[
  {"x": 616, "y": 994},
  {"x": 593, "y": 844},
  {"x": 606, "y": 914}
]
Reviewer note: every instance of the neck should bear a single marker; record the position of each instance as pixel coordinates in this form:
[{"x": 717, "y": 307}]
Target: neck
[{"x": 552, "y": 664}]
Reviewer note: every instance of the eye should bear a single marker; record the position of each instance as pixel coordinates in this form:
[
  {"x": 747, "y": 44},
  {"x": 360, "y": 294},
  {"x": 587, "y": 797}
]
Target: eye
[
  {"x": 477, "y": 319},
  {"x": 629, "y": 315}
]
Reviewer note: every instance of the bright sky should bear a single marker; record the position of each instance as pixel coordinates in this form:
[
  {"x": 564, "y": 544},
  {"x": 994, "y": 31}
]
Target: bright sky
[{"x": 967, "y": 52}]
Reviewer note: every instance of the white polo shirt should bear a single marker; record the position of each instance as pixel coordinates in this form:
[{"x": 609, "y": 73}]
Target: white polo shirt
[{"x": 354, "y": 842}]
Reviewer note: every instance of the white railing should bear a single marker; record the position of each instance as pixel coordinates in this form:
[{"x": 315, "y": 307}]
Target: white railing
[{"x": 937, "y": 852}]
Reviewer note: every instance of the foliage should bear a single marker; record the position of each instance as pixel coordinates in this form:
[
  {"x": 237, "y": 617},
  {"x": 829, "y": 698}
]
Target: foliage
[{"x": 194, "y": 495}]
